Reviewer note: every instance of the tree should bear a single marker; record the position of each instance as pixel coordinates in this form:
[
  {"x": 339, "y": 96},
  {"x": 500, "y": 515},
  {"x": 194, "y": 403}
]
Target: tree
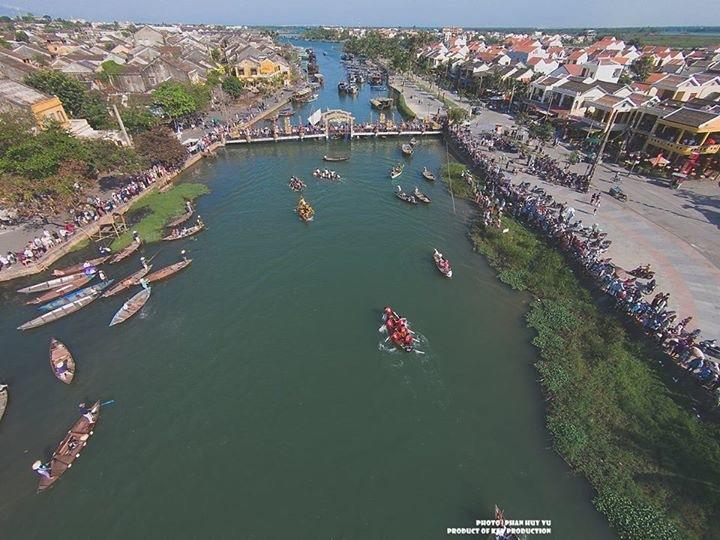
[
  {"x": 20, "y": 35},
  {"x": 233, "y": 86},
  {"x": 71, "y": 92},
  {"x": 215, "y": 54},
  {"x": 644, "y": 66},
  {"x": 94, "y": 110},
  {"x": 175, "y": 99},
  {"x": 160, "y": 146},
  {"x": 138, "y": 119},
  {"x": 456, "y": 115}
]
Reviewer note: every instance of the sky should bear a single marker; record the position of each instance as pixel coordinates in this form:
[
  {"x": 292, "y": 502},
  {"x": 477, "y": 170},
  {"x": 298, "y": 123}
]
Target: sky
[{"x": 466, "y": 13}]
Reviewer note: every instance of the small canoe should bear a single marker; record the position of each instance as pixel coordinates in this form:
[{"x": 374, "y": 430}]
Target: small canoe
[
  {"x": 125, "y": 253},
  {"x": 168, "y": 271},
  {"x": 420, "y": 196},
  {"x": 185, "y": 233},
  {"x": 130, "y": 281},
  {"x": 70, "y": 447},
  {"x": 396, "y": 171},
  {"x": 400, "y": 194},
  {"x": 336, "y": 158},
  {"x": 406, "y": 149},
  {"x": 74, "y": 269},
  {"x": 182, "y": 219},
  {"x": 77, "y": 295},
  {"x": 61, "y": 291},
  {"x": 131, "y": 307},
  {"x": 61, "y": 361},
  {"x": 413, "y": 141},
  {"x": 58, "y": 313},
  {"x": 428, "y": 175},
  {"x": 53, "y": 283},
  {"x": 3, "y": 401}
]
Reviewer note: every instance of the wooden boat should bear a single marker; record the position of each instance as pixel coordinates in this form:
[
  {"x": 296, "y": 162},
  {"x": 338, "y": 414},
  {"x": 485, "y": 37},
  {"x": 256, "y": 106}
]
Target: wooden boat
[
  {"x": 181, "y": 219},
  {"x": 70, "y": 447},
  {"x": 413, "y": 141},
  {"x": 392, "y": 325},
  {"x": 335, "y": 158},
  {"x": 352, "y": 89},
  {"x": 406, "y": 149},
  {"x": 400, "y": 194},
  {"x": 131, "y": 307},
  {"x": 54, "y": 283},
  {"x": 62, "y": 291},
  {"x": 168, "y": 271},
  {"x": 74, "y": 269},
  {"x": 381, "y": 103},
  {"x": 3, "y": 400},
  {"x": 61, "y": 361},
  {"x": 288, "y": 111},
  {"x": 428, "y": 175},
  {"x": 303, "y": 95},
  {"x": 342, "y": 87},
  {"x": 58, "y": 313},
  {"x": 131, "y": 280},
  {"x": 420, "y": 196},
  {"x": 185, "y": 232},
  {"x": 396, "y": 171},
  {"x": 296, "y": 185},
  {"x": 77, "y": 295},
  {"x": 305, "y": 211},
  {"x": 444, "y": 270},
  {"x": 125, "y": 253}
]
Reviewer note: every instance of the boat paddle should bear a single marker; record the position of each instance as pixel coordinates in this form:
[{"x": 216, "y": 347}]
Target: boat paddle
[{"x": 109, "y": 402}]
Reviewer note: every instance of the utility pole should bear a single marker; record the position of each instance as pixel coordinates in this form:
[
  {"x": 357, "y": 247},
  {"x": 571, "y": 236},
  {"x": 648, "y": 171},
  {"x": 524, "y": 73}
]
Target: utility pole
[
  {"x": 600, "y": 151},
  {"x": 122, "y": 126}
]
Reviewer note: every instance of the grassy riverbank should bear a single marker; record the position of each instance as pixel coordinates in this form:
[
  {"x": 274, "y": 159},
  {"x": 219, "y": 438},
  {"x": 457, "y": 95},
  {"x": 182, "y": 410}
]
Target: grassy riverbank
[
  {"x": 614, "y": 418},
  {"x": 403, "y": 108},
  {"x": 156, "y": 210}
]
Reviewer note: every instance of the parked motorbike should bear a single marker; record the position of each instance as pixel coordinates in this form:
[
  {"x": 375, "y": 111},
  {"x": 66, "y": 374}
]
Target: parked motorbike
[{"x": 617, "y": 192}]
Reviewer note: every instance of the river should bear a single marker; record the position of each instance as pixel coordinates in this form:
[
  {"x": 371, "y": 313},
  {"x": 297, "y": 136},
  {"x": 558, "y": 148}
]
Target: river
[{"x": 254, "y": 396}]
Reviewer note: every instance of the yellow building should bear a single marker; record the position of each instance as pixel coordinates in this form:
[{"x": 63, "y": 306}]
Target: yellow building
[
  {"x": 44, "y": 108},
  {"x": 251, "y": 68}
]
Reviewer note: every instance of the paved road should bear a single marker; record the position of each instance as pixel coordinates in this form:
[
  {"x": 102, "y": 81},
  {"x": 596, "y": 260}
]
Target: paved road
[{"x": 674, "y": 230}]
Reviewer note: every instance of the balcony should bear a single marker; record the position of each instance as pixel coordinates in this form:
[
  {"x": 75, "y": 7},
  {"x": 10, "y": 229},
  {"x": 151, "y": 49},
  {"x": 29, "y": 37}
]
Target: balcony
[{"x": 683, "y": 149}]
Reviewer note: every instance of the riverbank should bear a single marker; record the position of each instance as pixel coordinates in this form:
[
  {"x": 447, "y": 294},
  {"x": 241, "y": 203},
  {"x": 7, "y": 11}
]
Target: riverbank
[
  {"x": 85, "y": 234},
  {"x": 612, "y": 404}
]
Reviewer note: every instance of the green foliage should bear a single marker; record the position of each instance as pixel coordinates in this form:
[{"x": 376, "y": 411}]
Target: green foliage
[
  {"x": 322, "y": 34},
  {"x": 160, "y": 146},
  {"x": 94, "y": 110},
  {"x": 457, "y": 115},
  {"x": 178, "y": 100},
  {"x": 612, "y": 414},
  {"x": 71, "y": 92},
  {"x": 20, "y": 35},
  {"x": 233, "y": 86},
  {"x": 403, "y": 107},
  {"x": 643, "y": 67},
  {"x": 156, "y": 210},
  {"x": 452, "y": 175},
  {"x": 543, "y": 131},
  {"x": 574, "y": 157},
  {"x": 111, "y": 67},
  {"x": 5, "y": 44},
  {"x": 635, "y": 520},
  {"x": 215, "y": 54},
  {"x": 138, "y": 119}
]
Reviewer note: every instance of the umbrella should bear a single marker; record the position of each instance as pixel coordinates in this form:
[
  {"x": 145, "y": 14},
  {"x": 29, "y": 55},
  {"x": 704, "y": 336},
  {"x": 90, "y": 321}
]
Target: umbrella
[{"x": 659, "y": 161}]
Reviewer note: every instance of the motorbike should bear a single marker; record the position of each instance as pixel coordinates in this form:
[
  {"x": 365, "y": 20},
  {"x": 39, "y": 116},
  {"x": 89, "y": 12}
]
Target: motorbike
[{"x": 617, "y": 193}]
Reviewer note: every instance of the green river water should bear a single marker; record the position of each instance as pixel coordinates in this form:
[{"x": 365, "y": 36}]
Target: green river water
[{"x": 254, "y": 395}]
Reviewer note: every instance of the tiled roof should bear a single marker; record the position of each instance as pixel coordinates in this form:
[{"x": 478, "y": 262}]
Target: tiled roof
[{"x": 691, "y": 117}]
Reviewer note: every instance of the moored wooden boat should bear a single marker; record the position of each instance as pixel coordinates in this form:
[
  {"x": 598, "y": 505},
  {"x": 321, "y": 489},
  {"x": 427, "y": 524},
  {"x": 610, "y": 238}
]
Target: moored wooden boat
[
  {"x": 3, "y": 399},
  {"x": 428, "y": 175},
  {"x": 77, "y": 295},
  {"x": 54, "y": 283},
  {"x": 168, "y": 271},
  {"x": 400, "y": 194},
  {"x": 125, "y": 253},
  {"x": 62, "y": 291},
  {"x": 180, "y": 220},
  {"x": 131, "y": 307},
  {"x": 185, "y": 232},
  {"x": 131, "y": 280},
  {"x": 335, "y": 158},
  {"x": 406, "y": 149},
  {"x": 74, "y": 269},
  {"x": 61, "y": 361},
  {"x": 70, "y": 447},
  {"x": 58, "y": 313},
  {"x": 413, "y": 141}
]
